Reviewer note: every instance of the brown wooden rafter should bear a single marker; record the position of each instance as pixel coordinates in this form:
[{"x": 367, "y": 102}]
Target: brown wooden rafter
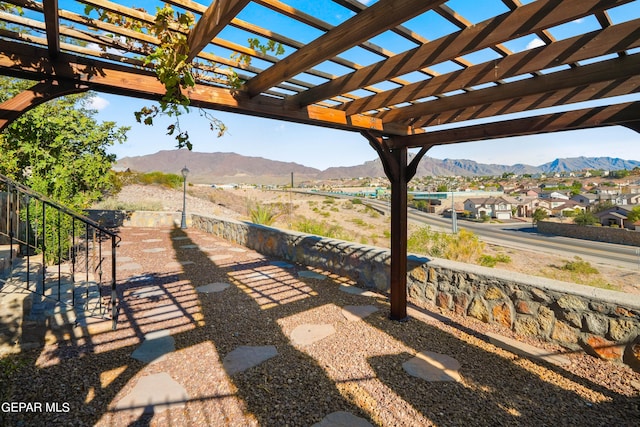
[
  {"x": 374, "y": 20},
  {"x": 34, "y": 96},
  {"x": 524, "y": 20}
]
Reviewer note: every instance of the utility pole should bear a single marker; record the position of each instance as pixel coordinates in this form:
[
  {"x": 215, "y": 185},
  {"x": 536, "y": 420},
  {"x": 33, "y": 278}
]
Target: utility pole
[{"x": 454, "y": 216}]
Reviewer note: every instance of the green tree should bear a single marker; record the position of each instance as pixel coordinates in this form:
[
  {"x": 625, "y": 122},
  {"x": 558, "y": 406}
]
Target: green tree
[
  {"x": 59, "y": 149},
  {"x": 538, "y": 215},
  {"x": 634, "y": 215},
  {"x": 585, "y": 218}
]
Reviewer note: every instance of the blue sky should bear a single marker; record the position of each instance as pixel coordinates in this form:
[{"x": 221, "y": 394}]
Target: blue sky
[{"x": 323, "y": 148}]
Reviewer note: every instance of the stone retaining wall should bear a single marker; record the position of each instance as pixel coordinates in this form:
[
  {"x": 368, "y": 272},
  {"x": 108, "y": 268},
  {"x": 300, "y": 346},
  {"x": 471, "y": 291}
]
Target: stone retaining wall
[
  {"x": 621, "y": 236},
  {"x": 602, "y": 322}
]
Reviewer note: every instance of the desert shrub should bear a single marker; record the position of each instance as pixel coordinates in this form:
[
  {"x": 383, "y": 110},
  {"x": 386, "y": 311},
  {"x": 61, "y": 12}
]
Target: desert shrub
[
  {"x": 321, "y": 228},
  {"x": 356, "y": 201},
  {"x": 464, "y": 246},
  {"x": 580, "y": 266},
  {"x": 328, "y": 201},
  {"x": 492, "y": 261},
  {"x": 263, "y": 214},
  {"x": 169, "y": 180},
  {"x": 114, "y": 204}
]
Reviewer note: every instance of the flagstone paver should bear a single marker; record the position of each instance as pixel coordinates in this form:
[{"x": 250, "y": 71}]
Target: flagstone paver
[
  {"x": 151, "y": 240},
  {"x": 155, "y": 347},
  {"x": 246, "y": 356},
  {"x": 354, "y": 290},
  {"x": 213, "y": 287},
  {"x": 342, "y": 419},
  {"x": 177, "y": 264},
  {"x": 219, "y": 257},
  {"x": 189, "y": 247},
  {"x": 153, "y": 394},
  {"x": 130, "y": 266},
  {"x": 154, "y": 250},
  {"x": 358, "y": 312},
  {"x": 311, "y": 275},
  {"x": 432, "y": 366},
  {"x": 308, "y": 334},
  {"x": 281, "y": 264},
  {"x": 148, "y": 292}
]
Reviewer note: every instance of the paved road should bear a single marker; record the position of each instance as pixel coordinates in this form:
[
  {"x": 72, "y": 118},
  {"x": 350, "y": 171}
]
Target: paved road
[{"x": 524, "y": 236}]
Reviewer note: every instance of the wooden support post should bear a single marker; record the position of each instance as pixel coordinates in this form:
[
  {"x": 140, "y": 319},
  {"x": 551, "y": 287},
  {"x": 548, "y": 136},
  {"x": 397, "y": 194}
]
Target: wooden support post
[{"x": 394, "y": 161}]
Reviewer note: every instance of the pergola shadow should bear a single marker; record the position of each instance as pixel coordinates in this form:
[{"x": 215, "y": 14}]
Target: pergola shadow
[{"x": 357, "y": 368}]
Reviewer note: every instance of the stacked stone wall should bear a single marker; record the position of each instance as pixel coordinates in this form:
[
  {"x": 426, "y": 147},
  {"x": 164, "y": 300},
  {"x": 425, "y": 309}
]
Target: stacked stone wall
[
  {"x": 621, "y": 236},
  {"x": 604, "y": 323}
]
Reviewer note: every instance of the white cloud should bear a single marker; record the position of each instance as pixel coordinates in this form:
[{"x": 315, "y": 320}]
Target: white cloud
[
  {"x": 578, "y": 21},
  {"x": 97, "y": 103},
  {"x": 537, "y": 42}
]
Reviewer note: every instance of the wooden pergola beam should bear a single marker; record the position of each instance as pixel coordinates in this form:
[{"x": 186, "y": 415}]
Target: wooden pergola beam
[
  {"x": 214, "y": 19},
  {"x": 38, "y": 94},
  {"x": 619, "y": 68},
  {"x": 32, "y": 63},
  {"x": 591, "y": 45},
  {"x": 372, "y": 21},
  {"x": 525, "y": 20},
  {"x": 618, "y": 114},
  {"x": 53, "y": 27}
]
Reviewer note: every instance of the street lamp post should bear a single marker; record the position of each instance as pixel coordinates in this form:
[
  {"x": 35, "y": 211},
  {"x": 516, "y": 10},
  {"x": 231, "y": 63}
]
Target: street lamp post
[{"x": 184, "y": 172}]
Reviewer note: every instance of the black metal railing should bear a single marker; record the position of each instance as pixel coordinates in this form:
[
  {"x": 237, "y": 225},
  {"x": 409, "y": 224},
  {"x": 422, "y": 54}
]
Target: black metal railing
[{"x": 43, "y": 236}]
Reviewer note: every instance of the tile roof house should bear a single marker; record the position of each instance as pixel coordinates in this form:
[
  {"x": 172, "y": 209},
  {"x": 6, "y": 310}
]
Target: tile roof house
[{"x": 494, "y": 207}]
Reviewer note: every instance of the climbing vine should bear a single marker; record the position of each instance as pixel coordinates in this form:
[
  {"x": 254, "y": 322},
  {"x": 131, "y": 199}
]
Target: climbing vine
[{"x": 169, "y": 61}]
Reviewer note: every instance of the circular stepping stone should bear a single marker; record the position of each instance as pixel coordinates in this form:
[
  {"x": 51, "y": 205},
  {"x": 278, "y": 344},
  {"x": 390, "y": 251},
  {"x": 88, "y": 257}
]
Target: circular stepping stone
[
  {"x": 212, "y": 288},
  {"x": 151, "y": 240},
  {"x": 308, "y": 334},
  {"x": 154, "y": 347},
  {"x": 180, "y": 238},
  {"x": 147, "y": 292},
  {"x": 281, "y": 264},
  {"x": 237, "y": 250},
  {"x": 188, "y": 246},
  {"x": 342, "y": 419},
  {"x": 121, "y": 258},
  {"x": 219, "y": 257},
  {"x": 354, "y": 290},
  {"x": 154, "y": 250},
  {"x": 432, "y": 366},
  {"x": 354, "y": 313},
  {"x": 245, "y": 357},
  {"x": 130, "y": 266},
  {"x": 153, "y": 394},
  {"x": 311, "y": 275}
]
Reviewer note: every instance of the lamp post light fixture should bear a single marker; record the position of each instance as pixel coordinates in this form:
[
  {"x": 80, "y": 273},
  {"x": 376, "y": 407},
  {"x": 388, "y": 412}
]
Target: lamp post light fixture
[{"x": 184, "y": 172}]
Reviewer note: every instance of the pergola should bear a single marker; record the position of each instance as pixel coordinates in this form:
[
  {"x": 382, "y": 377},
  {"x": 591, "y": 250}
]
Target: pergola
[{"x": 370, "y": 70}]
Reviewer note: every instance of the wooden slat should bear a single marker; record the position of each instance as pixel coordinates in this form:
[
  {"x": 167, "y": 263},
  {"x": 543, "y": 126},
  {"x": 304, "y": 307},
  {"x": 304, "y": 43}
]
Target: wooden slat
[
  {"x": 601, "y": 71},
  {"x": 31, "y": 62},
  {"x": 571, "y": 120},
  {"x": 595, "y": 91},
  {"x": 216, "y": 17},
  {"x": 374, "y": 20},
  {"x": 527, "y": 19},
  {"x": 52, "y": 26},
  {"x": 585, "y": 46}
]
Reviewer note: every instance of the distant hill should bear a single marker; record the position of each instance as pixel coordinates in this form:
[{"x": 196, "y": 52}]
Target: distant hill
[{"x": 231, "y": 167}]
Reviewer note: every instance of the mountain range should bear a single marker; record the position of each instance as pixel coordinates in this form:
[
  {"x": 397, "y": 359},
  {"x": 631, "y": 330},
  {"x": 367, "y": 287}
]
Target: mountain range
[{"x": 232, "y": 167}]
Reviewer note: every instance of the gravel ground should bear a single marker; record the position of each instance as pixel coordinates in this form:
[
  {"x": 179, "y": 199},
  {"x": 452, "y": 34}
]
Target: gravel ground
[{"x": 358, "y": 369}]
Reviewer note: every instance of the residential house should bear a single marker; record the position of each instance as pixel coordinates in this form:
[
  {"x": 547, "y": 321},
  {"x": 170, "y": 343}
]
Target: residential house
[
  {"x": 616, "y": 215},
  {"x": 554, "y": 195},
  {"x": 586, "y": 199},
  {"x": 494, "y": 207}
]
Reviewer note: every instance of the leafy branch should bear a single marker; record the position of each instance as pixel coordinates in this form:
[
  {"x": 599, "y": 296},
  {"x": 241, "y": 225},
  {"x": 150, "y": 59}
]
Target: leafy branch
[{"x": 169, "y": 61}]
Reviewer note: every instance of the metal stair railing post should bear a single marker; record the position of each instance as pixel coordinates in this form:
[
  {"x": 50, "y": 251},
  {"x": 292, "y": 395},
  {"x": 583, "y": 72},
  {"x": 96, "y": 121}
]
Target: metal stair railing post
[{"x": 41, "y": 229}]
